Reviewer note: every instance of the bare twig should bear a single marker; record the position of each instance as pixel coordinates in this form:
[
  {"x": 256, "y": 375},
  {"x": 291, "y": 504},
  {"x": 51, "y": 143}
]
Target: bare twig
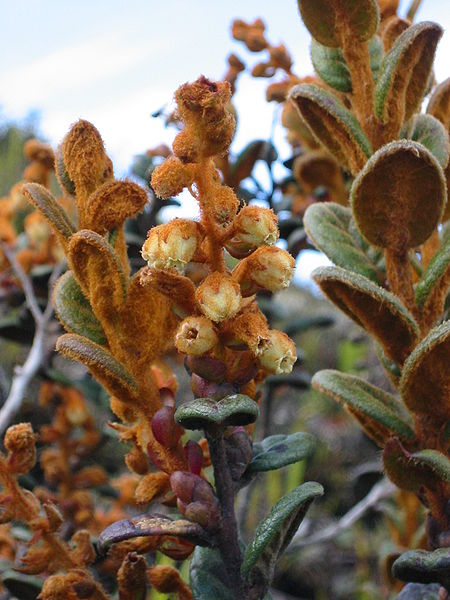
[
  {"x": 38, "y": 352},
  {"x": 383, "y": 489}
]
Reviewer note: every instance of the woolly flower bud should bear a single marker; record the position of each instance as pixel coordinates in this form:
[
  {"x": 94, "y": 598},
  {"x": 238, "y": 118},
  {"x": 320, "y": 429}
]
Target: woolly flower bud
[
  {"x": 171, "y": 177},
  {"x": 225, "y": 206},
  {"x": 20, "y": 443},
  {"x": 269, "y": 268},
  {"x": 196, "y": 335},
  {"x": 171, "y": 246},
  {"x": 219, "y": 297},
  {"x": 279, "y": 354},
  {"x": 254, "y": 227}
]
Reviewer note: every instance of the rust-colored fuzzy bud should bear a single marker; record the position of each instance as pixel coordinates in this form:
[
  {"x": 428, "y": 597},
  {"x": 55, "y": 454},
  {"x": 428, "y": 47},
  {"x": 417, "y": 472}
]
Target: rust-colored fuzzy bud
[
  {"x": 253, "y": 227},
  {"x": 171, "y": 177},
  {"x": 225, "y": 206},
  {"x": 164, "y": 428},
  {"x": 172, "y": 245},
  {"x": 279, "y": 354},
  {"x": 219, "y": 297},
  {"x": 268, "y": 268},
  {"x": 167, "y": 580},
  {"x": 137, "y": 461},
  {"x": 20, "y": 443},
  {"x": 151, "y": 486},
  {"x": 196, "y": 336}
]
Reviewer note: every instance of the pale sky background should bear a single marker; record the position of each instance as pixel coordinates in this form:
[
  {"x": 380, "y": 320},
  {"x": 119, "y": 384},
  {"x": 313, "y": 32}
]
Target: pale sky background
[{"x": 114, "y": 62}]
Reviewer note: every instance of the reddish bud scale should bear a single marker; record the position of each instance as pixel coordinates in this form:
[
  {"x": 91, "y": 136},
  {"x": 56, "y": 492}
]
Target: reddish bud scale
[
  {"x": 202, "y": 388},
  {"x": 207, "y": 367},
  {"x": 164, "y": 428},
  {"x": 194, "y": 457}
]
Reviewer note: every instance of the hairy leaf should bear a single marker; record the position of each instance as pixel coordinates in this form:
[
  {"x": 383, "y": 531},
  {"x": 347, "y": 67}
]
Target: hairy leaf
[
  {"x": 208, "y": 577},
  {"x": 327, "y": 21},
  {"x": 376, "y": 310},
  {"x": 112, "y": 203},
  {"x": 314, "y": 169},
  {"x": 389, "y": 195},
  {"x": 430, "y": 133},
  {"x": 404, "y": 72},
  {"x": 424, "y": 567},
  {"x": 278, "y": 451},
  {"x": 203, "y": 413},
  {"x": 274, "y": 534},
  {"x": 149, "y": 525},
  {"x": 334, "y": 126},
  {"x": 330, "y": 65},
  {"x": 74, "y": 311},
  {"x": 425, "y": 382},
  {"x": 329, "y": 227},
  {"x": 434, "y": 283},
  {"x": 102, "y": 364},
  {"x": 47, "y": 204},
  {"x": 439, "y": 103},
  {"x": 376, "y": 404}
]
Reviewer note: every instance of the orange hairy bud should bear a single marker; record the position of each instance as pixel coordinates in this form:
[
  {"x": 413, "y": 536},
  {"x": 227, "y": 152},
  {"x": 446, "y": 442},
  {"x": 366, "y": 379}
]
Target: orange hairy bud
[
  {"x": 171, "y": 177},
  {"x": 253, "y": 227},
  {"x": 151, "y": 486},
  {"x": 37, "y": 229},
  {"x": 19, "y": 201},
  {"x": 196, "y": 335},
  {"x": 36, "y": 150},
  {"x": 279, "y": 353},
  {"x": 219, "y": 297},
  {"x": 20, "y": 444},
  {"x": 171, "y": 246},
  {"x": 167, "y": 580},
  {"x": 204, "y": 108},
  {"x": 269, "y": 268},
  {"x": 225, "y": 206}
]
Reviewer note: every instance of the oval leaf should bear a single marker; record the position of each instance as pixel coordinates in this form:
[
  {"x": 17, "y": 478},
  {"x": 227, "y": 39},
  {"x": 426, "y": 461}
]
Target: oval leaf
[
  {"x": 430, "y": 133},
  {"x": 74, "y": 311},
  {"x": 203, "y": 413},
  {"x": 112, "y": 203},
  {"x": 330, "y": 65},
  {"x": 278, "y": 451},
  {"x": 378, "y": 311},
  {"x": 419, "y": 591},
  {"x": 208, "y": 576},
  {"x": 329, "y": 227},
  {"x": 334, "y": 126},
  {"x": 439, "y": 103},
  {"x": 404, "y": 73},
  {"x": 401, "y": 188},
  {"x": 274, "y": 534},
  {"x": 102, "y": 364},
  {"x": 45, "y": 202},
  {"x": 424, "y": 567},
  {"x": 329, "y": 21},
  {"x": 425, "y": 382},
  {"x": 377, "y": 405},
  {"x": 431, "y": 291},
  {"x": 149, "y": 525}
]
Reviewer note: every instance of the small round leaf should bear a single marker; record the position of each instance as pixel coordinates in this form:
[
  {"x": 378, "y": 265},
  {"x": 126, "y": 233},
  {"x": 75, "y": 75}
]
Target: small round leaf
[{"x": 203, "y": 413}]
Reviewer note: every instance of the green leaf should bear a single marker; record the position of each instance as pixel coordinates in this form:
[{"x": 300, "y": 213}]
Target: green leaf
[
  {"x": 329, "y": 21},
  {"x": 418, "y": 591},
  {"x": 334, "y": 126},
  {"x": 278, "y": 451},
  {"x": 74, "y": 311},
  {"x": 51, "y": 210},
  {"x": 208, "y": 576},
  {"x": 385, "y": 414},
  {"x": 392, "y": 369},
  {"x": 424, "y": 567},
  {"x": 413, "y": 470},
  {"x": 149, "y": 525},
  {"x": 203, "y": 413},
  {"x": 274, "y": 534},
  {"x": 378, "y": 311},
  {"x": 430, "y": 133},
  {"x": 330, "y": 65},
  {"x": 329, "y": 227},
  {"x": 425, "y": 382},
  {"x": 109, "y": 371},
  {"x": 20, "y": 585},
  {"x": 404, "y": 72},
  {"x": 389, "y": 194},
  {"x": 434, "y": 284}
]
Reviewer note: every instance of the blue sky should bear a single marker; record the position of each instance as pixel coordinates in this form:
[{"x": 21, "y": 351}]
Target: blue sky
[{"x": 114, "y": 62}]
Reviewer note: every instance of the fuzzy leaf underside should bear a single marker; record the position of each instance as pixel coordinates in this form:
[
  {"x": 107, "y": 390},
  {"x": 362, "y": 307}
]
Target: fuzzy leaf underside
[
  {"x": 328, "y": 226},
  {"x": 429, "y": 132},
  {"x": 435, "y": 282},
  {"x": 376, "y": 310}
]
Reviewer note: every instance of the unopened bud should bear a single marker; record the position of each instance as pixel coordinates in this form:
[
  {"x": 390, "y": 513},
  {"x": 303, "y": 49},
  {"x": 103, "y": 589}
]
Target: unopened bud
[
  {"x": 196, "y": 499},
  {"x": 196, "y": 335},
  {"x": 194, "y": 456},
  {"x": 269, "y": 268},
  {"x": 279, "y": 354},
  {"x": 225, "y": 206},
  {"x": 208, "y": 367},
  {"x": 219, "y": 297},
  {"x": 164, "y": 428},
  {"x": 20, "y": 443},
  {"x": 254, "y": 227},
  {"x": 172, "y": 245},
  {"x": 171, "y": 177},
  {"x": 239, "y": 451},
  {"x": 201, "y": 388}
]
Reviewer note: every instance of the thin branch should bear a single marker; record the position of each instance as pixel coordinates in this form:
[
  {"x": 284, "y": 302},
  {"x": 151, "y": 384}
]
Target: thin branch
[
  {"x": 383, "y": 489},
  {"x": 38, "y": 352}
]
